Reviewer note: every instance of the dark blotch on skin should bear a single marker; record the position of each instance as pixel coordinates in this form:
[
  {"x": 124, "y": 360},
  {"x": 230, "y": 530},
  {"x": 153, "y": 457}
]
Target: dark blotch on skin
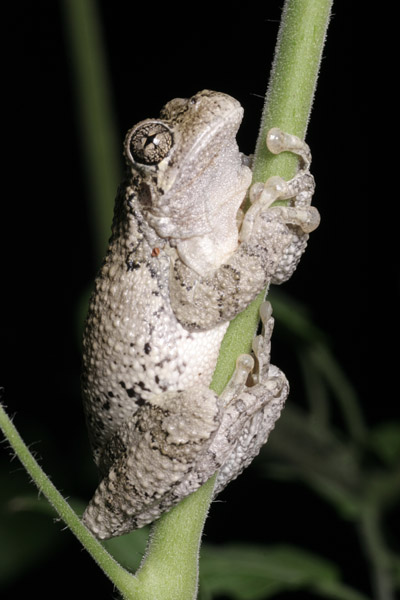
[{"x": 131, "y": 265}]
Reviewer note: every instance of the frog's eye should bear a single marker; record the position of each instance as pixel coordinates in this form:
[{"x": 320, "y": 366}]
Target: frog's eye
[{"x": 149, "y": 143}]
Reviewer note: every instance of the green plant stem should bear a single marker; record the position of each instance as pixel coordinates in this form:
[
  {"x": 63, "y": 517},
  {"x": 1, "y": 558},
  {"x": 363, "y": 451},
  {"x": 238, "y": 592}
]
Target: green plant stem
[
  {"x": 98, "y": 131},
  {"x": 292, "y": 81},
  {"x": 171, "y": 561},
  {"x": 320, "y": 355},
  {"x": 375, "y": 549},
  {"x": 123, "y": 580},
  {"x": 288, "y": 104}
]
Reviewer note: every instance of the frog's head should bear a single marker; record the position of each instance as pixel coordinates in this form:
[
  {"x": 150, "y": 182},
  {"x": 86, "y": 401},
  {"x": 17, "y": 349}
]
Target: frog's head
[{"x": 188, "y": 164}]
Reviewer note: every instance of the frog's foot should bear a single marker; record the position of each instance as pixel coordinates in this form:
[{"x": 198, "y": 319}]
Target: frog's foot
[{"x": 250, "y": 415}]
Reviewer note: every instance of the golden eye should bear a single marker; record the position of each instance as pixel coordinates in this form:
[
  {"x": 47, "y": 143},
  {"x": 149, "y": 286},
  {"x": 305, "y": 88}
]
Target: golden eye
[{"x": 149, "y": 143}]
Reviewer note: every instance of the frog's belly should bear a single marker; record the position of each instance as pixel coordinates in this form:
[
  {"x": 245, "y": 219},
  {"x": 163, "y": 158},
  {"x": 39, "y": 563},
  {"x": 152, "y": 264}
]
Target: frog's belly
[{"x": 183, "y": 359}]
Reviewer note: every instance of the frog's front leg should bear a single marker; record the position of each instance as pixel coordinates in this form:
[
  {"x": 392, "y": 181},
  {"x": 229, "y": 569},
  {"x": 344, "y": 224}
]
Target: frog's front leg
[
  {"x": 298, "y": 215},
  {"x": 299, "y": 189},
  {"x": 272, "y": 239}
]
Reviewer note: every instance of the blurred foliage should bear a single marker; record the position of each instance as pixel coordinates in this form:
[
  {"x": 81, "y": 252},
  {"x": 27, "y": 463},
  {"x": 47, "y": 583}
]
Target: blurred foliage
[
  {"x": 245, "y": 572},
  {"x": 353, "y": 468}
]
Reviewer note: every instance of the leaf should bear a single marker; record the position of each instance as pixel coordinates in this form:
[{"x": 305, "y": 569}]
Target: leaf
[
  {"x": 385, "y": 441},
  {"x": 26, "y": 539},
  {"x": 247, "y": 572},
  {"x": 318, "y": 457},
  {"x": 128, "y": 549}
]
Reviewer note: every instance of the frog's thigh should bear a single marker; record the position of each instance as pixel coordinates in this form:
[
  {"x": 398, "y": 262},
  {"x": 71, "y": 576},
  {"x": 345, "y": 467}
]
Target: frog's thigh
[
  {"x": 251, "y": 403},
  {"x": 150, "y": 456}
]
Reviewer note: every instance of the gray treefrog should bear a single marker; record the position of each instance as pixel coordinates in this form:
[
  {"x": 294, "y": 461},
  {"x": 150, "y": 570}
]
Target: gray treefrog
[{"x": 182, "y": 262}]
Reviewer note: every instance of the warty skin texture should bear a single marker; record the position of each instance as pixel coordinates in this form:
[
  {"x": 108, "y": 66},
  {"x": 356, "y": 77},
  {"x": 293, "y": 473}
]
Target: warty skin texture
[{"x": 175, "y": 274}]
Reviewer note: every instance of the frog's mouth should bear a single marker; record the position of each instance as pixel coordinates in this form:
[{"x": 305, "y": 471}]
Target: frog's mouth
[{"x": 220, "y": 131}]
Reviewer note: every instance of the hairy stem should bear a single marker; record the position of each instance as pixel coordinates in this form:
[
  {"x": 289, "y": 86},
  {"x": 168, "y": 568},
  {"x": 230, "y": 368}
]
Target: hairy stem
[
  {"x": 288, "y": 104},
  {"x": 292, "y": 81},
  {"x": 121, "y": 578}
]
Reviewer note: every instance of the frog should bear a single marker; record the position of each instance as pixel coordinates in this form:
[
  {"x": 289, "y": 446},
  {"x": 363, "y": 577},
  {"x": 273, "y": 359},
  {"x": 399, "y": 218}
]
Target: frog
[{"x": 183, "y": 260}]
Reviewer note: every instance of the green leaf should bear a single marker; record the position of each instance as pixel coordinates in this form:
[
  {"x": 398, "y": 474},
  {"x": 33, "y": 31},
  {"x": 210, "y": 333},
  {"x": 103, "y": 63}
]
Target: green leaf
[
  {"x": 24, "y": 542},
  {"x": 26, "y": 539},
  {"x": 385, "y": 441},
  {"x": 316, "y": 356},
  {"x": 251, "y": 572},
  {"x": 128, "y": 549},
  {"x": 396, "y": 570},
  {"x": 294, "y": 317},
  {"x": 318, "y": 457},
  {"x": 259, "y": 572}
]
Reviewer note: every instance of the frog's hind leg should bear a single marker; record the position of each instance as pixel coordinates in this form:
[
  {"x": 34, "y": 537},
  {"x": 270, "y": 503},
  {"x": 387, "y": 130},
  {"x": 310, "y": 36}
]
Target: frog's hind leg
[
  {"x": 250, "y": 416},
  {"x": 249, "y": 406},
  {"x": 178, "y": 440}
]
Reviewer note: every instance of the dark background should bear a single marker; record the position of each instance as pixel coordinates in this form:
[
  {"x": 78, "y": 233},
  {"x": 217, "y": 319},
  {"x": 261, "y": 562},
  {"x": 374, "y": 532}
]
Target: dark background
[{"x": 154, "y": 55}]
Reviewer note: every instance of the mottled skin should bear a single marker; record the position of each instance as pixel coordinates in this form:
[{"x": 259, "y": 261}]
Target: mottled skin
[{"x": 177, "y": 270}]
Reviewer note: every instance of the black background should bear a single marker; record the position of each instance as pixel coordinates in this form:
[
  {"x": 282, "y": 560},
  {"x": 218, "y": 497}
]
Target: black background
[{"x": 153, "y": 55}]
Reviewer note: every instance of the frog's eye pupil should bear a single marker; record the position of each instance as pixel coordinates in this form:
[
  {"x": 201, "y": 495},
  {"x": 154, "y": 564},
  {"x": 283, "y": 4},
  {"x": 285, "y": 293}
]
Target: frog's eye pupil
[{"x": 150, "y": 143}]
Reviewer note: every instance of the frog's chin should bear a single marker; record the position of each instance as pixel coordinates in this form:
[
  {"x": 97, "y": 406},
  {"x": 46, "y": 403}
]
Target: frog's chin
[
  {"x": 205, "y": 253},
  {"x": 177, "y": 229},
  {"x": 203, "y": 244}
]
